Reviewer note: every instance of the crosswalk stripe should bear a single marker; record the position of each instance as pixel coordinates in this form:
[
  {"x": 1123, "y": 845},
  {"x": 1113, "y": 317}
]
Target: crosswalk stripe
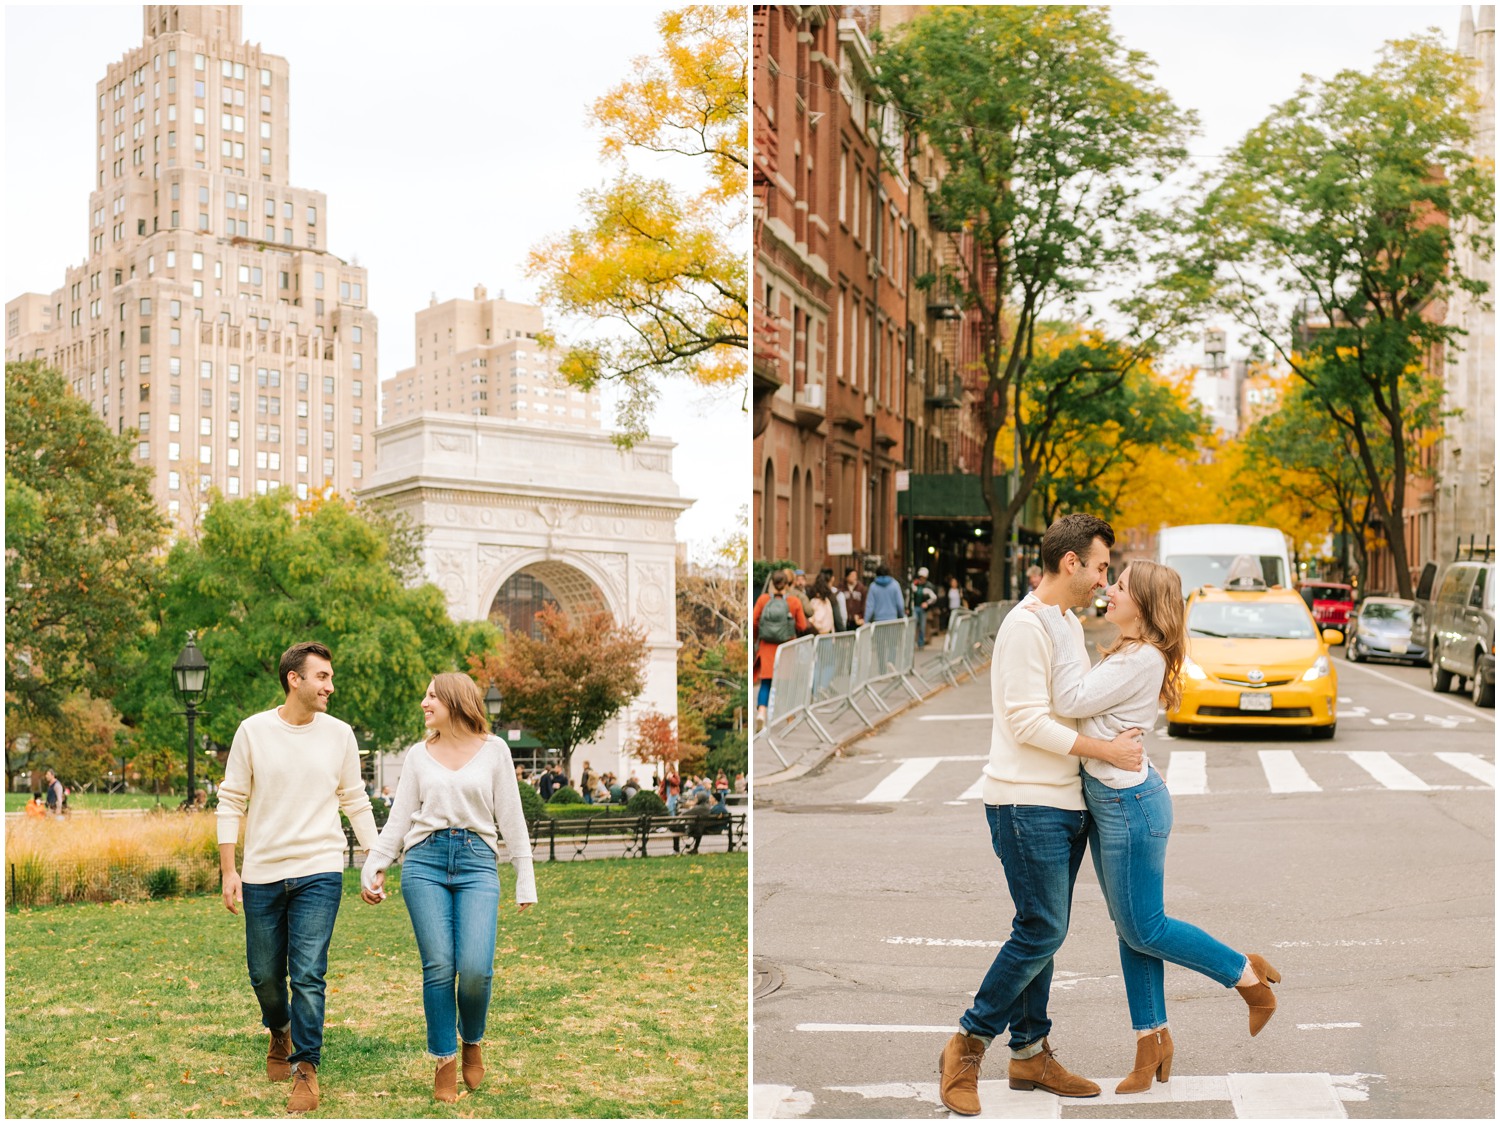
[
  {"x": 1284, "y": 773},
  {"x": 1472, "y": 764},
  {"x": 1384, "y": 768},
  {"x": 1187, "y": 773},
  {"x": 976, "y": 790},
  {"x": 901, "y": 781}
]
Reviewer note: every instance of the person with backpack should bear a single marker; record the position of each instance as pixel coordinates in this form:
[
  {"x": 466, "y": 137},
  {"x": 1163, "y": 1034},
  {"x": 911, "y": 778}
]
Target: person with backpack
[{"x": 776, "y": 619}]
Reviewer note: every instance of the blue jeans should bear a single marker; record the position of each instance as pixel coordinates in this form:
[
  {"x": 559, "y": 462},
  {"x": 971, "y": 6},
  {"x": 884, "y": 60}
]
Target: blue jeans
[
  {"x": 452, "y": 892},
  {"x": 1128, "y": 841},
  {"x": 288, "y": 925},
  {"x": 1041, "y": 850},
  {"x": 921, "y": 615}
]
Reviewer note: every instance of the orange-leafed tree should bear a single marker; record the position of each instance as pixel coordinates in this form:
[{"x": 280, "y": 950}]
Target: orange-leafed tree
[
  {"x": 655, "y": 739},
  {"x": 564, "y": 686}
]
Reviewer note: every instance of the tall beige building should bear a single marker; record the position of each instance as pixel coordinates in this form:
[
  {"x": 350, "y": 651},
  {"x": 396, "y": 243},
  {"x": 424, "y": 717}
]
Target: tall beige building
[
  {"x": 484, "y": 357},
  {"x": 209, "y": 315}
]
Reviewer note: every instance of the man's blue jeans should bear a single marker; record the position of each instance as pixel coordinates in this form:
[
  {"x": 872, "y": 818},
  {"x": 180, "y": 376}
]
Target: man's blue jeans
[
  {"x": 288, "y": 925},
  {"x": 1041, "y": 850},
  {"x": 452, "y": 891},
  {"x": 1128, "y": 841},
  {"x": 921, "y": 615}
]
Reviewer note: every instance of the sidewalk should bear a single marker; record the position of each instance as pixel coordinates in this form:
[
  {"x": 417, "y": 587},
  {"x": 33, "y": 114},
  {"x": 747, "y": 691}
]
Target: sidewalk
[{"x": 805, "y": 751}]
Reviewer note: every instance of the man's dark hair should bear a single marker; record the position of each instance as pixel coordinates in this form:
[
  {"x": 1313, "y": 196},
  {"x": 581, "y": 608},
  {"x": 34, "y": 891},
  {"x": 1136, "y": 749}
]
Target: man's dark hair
[
  {"x": 295, "y": 657},
  {"x": 882, "y": 571},
  {"x": 1075, "y": 533}
]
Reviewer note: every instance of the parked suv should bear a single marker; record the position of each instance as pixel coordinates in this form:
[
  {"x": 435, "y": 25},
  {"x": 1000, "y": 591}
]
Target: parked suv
[{"x": 1459, "y": 621}]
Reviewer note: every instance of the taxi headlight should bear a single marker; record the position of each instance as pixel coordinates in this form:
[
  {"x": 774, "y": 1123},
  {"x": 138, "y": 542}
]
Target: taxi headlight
[
  {"x": 1192, "y": 670},
  {"x": 1319, "y": 670}
]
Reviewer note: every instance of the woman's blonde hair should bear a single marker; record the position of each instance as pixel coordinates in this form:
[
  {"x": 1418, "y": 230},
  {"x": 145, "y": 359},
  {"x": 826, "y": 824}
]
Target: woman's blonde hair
[
  {"x": 1157, "y": 593},
  {"x": 461, "y": 696}
]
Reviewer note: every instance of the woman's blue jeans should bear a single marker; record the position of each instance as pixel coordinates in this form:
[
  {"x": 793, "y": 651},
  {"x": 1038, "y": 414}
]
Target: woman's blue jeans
[
  {"x": 1128, "y": 840},
  {"x": 452, "y": 892}
]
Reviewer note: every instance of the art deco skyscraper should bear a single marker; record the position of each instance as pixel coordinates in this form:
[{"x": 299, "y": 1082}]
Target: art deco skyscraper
[{"x": 209, "y": 314}]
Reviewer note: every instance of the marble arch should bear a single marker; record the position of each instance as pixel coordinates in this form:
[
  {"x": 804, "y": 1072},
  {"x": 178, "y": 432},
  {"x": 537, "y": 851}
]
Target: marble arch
[{"x": 595, "y": 523}]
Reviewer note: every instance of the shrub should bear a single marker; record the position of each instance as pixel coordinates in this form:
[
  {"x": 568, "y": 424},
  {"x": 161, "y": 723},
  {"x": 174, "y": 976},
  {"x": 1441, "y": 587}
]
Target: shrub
[
  {"x": 28, "y": 877},
  {"x": 566, "y": 795},
  {"x": 730, "y": 756},
  {"x": 646, "y": 803},
  {"x": 164, "y": 882},
  {"x": 532, "y": 804}
]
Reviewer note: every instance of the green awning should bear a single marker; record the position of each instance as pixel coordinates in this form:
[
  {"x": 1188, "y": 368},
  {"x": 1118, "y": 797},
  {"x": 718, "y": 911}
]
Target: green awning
[{"x": 946, "y": 496}]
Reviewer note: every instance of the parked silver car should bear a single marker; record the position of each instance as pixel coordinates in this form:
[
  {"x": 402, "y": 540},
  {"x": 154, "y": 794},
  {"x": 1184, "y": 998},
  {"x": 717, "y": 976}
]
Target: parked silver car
[
  {"x": 1382, "y": 630},
  {"x": 1459, "y": 623}
]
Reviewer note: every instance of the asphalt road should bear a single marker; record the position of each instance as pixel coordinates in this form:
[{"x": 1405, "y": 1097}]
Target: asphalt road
[{"x": 1362, "y": 867}]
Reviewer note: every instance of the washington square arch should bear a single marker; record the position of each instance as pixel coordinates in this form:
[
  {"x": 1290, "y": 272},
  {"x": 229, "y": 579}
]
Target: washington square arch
[{"x": 515, "y": 516}]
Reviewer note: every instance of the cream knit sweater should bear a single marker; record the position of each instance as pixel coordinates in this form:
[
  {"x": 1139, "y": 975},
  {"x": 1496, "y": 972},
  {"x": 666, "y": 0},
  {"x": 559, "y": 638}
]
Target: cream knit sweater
[
  {"x": 1030, "y": 746},
  {"x": 294, "y": 780}
]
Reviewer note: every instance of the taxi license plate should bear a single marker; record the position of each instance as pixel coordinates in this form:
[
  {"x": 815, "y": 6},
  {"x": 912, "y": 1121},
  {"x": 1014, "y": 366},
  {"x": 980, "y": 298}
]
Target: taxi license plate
[{"x": 1255, "y": 702}]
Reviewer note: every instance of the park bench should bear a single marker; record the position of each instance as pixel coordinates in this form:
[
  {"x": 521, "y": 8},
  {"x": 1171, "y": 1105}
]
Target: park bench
[
  {"x": 733, "y": 827},
  {"x": 584, "y": 830}
]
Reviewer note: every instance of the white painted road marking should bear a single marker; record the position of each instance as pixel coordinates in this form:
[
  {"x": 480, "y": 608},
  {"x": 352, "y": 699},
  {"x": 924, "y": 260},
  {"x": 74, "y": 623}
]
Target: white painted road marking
[
  {"x": 1327, "y": 1026},
  {"x": 1187, "y": 773},
  {"x": 976, "y": 790},
  {"x": 1361, "y": 669},
  {"x": 955, "y": 718},
  {"x": 1253, "y": 1096},
  {"x": 905, "y": 777},
  {"x": 1284, "y": 773},
  {"x": 1475, "y": 766},
  {"x": 1384, "y": 768},
  {"x": 868, "y": 1028}
]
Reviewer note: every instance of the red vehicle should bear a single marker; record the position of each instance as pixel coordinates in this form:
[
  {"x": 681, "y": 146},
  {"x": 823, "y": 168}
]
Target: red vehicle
[{"x": 1332, "y": 603}]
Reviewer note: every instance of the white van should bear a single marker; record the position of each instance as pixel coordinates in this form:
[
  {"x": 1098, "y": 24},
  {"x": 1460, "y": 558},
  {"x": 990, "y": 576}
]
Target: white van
[{"x": 1203, "y": 553}]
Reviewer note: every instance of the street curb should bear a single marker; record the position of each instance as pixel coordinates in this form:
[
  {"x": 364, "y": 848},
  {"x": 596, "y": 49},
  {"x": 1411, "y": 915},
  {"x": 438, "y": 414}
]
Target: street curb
[{"x": 806, "y": 765}]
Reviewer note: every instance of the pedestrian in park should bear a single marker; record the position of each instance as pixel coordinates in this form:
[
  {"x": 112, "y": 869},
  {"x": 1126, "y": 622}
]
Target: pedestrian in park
[
  {"x": 739, "y": 783},
  {"x": 457, "y": 799},
  {"x": 56, "y": 797},
  {"x": 672, "y": 785},
  {"x": 854, "y": 600},
  {"x": 1130, "y": 811},
  {"x": 36, "y": 808},
  {"x": 295, "y": 767},
  {"x": 923, "y": 598},
  {"x": 776, "y": 618},
  {"x": 721, "y": 786},
  {"x": 630, "y": 788},
  {"x": 1033, "y": 578},
  {"x": 548, "y": 783},
  {"x": 588, "y": 780},
  {"x": 1038, "y": 823},
  {"x": 883, "y": 602}
]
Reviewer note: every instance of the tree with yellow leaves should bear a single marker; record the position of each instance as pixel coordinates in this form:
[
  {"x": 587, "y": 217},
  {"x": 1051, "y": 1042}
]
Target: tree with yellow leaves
[{"x": 665, "y": 267}]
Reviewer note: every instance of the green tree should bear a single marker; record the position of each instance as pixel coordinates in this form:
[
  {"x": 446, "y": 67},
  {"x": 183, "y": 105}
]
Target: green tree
[
  {"x": 81, "y": 535},
  {"x": 1351, "y": 196},
  {"x": 664, "y": 267},
  {"x": 566, "y": 685},
  {"x": 1050, "y": 135},
  {"x": 266, "y": 573}
]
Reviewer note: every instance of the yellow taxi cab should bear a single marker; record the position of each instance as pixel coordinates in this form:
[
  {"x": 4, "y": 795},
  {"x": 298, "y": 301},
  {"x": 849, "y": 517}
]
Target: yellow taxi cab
[{"x": 1255, "y": 658}]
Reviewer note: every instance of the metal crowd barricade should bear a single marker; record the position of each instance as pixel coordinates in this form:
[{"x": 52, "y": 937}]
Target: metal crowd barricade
[
  {"x": 885, "y": 656},
  {"x": 957, "y": 643},
  {"x": 833, "y": 676},
  {"x": 791, "y": 692}
]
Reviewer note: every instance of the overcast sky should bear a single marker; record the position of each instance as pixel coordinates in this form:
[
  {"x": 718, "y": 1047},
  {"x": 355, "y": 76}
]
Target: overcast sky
[{"x": 449, "y": 141}]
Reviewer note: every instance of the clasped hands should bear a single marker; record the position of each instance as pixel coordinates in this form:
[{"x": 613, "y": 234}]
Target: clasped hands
[{"x": 374, "y": 893}]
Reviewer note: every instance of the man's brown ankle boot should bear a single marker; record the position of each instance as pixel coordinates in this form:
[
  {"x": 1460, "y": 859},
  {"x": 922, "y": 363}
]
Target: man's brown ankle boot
[
  {"x": 1044, "y": 1071},
  {"x": 304, "y": 1096},
  {"x": 958, "y": 1074},
  {"x": 278, "y": 1067}
]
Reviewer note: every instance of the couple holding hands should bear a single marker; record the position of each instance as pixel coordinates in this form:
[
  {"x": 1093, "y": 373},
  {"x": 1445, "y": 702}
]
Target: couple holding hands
[{"x": 291, "y": 770}]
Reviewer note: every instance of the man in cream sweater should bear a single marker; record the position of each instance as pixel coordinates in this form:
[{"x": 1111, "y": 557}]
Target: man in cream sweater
[
  {"x": 293, "y": 767},
  {"x": 1038, "y": 824}
]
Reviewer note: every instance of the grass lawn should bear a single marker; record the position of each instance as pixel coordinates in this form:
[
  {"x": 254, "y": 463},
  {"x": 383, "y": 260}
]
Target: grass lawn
[
  {"x": 624, "y": 993},
  {"x": 93, "y": 801}
]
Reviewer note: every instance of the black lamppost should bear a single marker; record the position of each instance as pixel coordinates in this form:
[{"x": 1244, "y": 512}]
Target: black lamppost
[
  {"x": 492, "y": 704},
  {"x": 191, "y": 675}
]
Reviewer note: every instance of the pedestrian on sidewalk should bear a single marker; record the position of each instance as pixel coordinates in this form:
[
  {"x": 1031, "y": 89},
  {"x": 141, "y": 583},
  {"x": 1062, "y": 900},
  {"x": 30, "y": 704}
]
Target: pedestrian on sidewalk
[
  {"x": 456, "y": 800},
  {"x": 955, "y": 600},
  {"x": 776, "y": 619},
  {"x": 883, "y": 602},
  {"x": 923, "y": 598},
  {"x": 854, "y": 592},
  {"x": 1038, "y": 822},
  {"x": 1130, "y": 810}
]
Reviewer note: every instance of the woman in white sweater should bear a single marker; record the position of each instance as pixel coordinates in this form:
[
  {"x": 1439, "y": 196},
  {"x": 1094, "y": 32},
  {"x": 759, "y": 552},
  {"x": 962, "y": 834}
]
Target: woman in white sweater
[
  {"x": 456, "y": 800},
  {"x": 1131, "y": 812}
]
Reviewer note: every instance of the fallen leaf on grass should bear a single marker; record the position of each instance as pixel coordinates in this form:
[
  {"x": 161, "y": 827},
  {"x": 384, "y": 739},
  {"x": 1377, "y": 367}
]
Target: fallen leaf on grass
[
  {"x": 15, "y": 1073},
  {"x": 227, "y": 1103},
  {"x": 187, "y": 1078}
]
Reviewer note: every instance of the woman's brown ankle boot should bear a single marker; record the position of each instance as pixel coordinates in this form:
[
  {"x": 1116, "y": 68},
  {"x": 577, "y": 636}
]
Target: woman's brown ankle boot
[
  {"x": 445, "y": 1081},
  {"x": 473, "y": 1065},
  {"x": 1153, "y": 1058},
  {"x": 1259, "y": 997}
]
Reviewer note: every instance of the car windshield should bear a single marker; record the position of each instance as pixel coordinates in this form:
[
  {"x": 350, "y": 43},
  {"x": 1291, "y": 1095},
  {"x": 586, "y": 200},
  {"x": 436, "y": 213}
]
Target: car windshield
[
  {"x": 1213, "y": 569},
  {"x": 1329, "y": 592},
  {"x": 1252, "y": 620},
  {"x": 1385, "y": 611}
]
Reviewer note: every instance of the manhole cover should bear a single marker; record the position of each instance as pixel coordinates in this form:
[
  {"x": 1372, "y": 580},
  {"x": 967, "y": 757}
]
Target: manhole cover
[
  {"x": 768, "y": 978},
  {"x": 838, "y": 809}
]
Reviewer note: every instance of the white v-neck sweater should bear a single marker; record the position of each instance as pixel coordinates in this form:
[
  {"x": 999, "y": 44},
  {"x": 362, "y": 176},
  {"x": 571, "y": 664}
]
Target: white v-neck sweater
[
  {"x": 481, "y": 797},
  {"x": 288, "y": 783}
]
